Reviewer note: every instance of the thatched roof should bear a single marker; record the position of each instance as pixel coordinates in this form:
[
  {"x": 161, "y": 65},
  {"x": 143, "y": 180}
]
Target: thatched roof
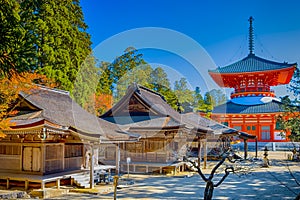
[
  {"x": 154, "y": 102},
  {"x": 57, "y": 107},
  {"x": 157, "y": 112}
]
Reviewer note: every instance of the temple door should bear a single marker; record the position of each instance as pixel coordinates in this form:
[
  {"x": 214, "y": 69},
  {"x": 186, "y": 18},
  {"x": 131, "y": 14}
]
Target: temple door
[{"x": 31, "y": 159}]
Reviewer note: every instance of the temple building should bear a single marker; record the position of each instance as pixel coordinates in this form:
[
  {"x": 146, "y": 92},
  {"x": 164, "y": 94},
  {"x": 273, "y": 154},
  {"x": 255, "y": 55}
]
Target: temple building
[
  {"x": 253, "y": 106},
  {"x": 166, "y": 135},
  {"x": 52, "y": 140}
]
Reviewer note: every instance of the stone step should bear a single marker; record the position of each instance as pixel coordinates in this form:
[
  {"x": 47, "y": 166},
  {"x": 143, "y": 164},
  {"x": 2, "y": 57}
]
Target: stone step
[{"x": 83, "y": 179}]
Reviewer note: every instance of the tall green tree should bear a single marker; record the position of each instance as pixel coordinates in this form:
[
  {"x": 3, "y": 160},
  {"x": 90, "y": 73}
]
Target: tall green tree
[
  {"x": 289, "y": 121},
  {"x": 130, "y": 67},
  {"x": 159, "y": 79},
  {"x": 139, "y": 75},
  {"x": 85, "y": 85},
  {"x": 15, "y": 46},
  {"x": 294, "y": 85},
  {"x": 217, "y": 97},
  {"x": 170, "y": 98},
  {"x": 184, "y": 94},
  {"x": 58, "y": 32},
  {"x": 123, "y": 64},
  {"x": 105, "y": 83},
  {"x": 161, "y": 84},
  {"x": 198, "y": 101},
  {"x": 207, "y": 105}
]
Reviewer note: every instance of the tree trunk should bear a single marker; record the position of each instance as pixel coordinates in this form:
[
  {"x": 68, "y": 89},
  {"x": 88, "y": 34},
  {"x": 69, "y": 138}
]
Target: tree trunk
[{"x": 209, "y": 190}]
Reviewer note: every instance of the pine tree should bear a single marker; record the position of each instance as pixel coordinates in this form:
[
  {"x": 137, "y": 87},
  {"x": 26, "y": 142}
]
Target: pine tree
[
  {"x": 198, "y": 101},
  {"x": 115, "y": 77},
  {"x": 58, "y": 32},
  {"x": 159, "y": 79},
  {"x": 161, "y": 84},
  {"x": 15, "y": 47},
  {"x": 217, "y": 97},
  {"x": 184, "y": 95},
  {"x": 105, "y": 80},
  {"x": 294, "y": 85},
  {"x": 139, "y": 75},
  {"x": 123, "y": 64}
]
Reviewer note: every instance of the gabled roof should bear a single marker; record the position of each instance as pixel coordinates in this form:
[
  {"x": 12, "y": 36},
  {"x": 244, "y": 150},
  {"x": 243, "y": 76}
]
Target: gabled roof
[
  {"x": 163, "y": 114},
  {"x": 202, "y": 122},
  {"x": 57, "y": 107},
  {"x": 153, "y": 102},
  {"x": 252, "y": 63},
  {"x": 233, "y": 108}
]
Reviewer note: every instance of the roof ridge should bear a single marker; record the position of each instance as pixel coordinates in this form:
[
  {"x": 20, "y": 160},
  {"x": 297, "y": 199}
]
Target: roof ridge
[
  {"x": 53, "y": 89},
  {"x": 270, "y": 61},
  {"x": 152, "y": 91}
]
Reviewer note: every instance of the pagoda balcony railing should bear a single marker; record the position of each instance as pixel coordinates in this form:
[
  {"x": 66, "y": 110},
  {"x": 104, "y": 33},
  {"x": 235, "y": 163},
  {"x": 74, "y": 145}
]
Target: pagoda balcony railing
[
  {"x": 252, "y": 90},
  {"x": 250, "y": 93}
]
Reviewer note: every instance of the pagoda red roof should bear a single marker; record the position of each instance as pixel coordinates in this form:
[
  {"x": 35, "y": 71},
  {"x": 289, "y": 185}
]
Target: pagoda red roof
[
  {"x": 277, "y": 73},
  {"x": 252, "y": 63}
]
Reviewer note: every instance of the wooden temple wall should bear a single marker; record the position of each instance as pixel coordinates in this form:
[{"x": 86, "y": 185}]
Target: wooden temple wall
[
  {"x": 40, "y": 158},
  {"x": 136, "y": 154},
  {"x": 156, "y": 150},
  {"x": 10, "y": 156}
]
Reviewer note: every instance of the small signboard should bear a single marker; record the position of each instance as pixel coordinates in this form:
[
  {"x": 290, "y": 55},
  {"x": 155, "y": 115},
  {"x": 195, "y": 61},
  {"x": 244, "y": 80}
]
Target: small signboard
[{"x": 128, "y": 160}]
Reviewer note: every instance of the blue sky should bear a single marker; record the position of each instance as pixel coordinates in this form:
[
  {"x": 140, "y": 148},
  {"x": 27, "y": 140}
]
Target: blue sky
[{"x": 219, "y": 27}]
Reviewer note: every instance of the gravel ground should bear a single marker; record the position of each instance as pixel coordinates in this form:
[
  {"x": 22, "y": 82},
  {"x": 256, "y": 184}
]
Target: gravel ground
[{"x": 274, "y": 182}]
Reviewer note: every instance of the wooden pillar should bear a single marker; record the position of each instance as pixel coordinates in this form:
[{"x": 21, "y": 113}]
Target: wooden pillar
[
  {"x": 92, "y": 167},
  {"x": 21, "y": 156},
  {"x": 199, "y": 151},
  {"x": 63, "y": 156},
  {"x": 117, "y": 159},
  {"x": 256, "y": 147},
  {"x": 7, "y": 183},
  {"x": 205, "y": 154},
  {"x": 42, "y": 185},
  {"x": 258, "y": 128},
  {"x": 272, "y": 129},
  {"x": 26, "y": 184},
  {"x": 230, "y": 121},
  {"x": 245, "y": 148},
  {"x": 244, "y": 127},
  {"x": 58, "y": 183},
  {"x": 43, "y": 157}
]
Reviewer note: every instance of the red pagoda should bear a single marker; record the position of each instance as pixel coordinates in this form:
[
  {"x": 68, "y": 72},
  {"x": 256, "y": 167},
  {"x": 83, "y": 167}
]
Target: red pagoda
[{"x": 253, "y": 106}]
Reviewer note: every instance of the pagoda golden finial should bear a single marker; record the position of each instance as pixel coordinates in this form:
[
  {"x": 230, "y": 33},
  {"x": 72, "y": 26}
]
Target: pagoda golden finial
[{"x": 251, "y": 40}]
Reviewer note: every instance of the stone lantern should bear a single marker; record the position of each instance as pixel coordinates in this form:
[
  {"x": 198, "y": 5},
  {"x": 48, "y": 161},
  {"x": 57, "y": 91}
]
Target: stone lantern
[{"x": 265, "y": 159}]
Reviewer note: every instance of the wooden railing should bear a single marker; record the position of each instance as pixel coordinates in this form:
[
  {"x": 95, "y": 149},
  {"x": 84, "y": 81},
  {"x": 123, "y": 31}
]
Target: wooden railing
[
  {"x": 267, "y": 94},
  {"x": 73, "y": 163},
  {"x": 149, "y": 157}
]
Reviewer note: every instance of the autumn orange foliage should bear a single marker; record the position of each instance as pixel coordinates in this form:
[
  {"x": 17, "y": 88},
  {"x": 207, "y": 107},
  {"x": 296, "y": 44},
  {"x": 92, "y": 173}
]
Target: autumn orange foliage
[
  {"x": 10, "y": 87},
  {"x": 103, "y": 102}
]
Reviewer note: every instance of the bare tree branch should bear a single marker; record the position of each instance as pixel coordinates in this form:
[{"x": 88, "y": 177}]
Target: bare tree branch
[
  {"x": 227, "y": 172},
  {"x": 198, "y": 170}
]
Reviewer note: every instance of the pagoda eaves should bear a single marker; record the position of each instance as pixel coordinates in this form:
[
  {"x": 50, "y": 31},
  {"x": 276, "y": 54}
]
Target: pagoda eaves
[
  {"x": 252, "y": 63},
  {"x": 253, "y": 71}
]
